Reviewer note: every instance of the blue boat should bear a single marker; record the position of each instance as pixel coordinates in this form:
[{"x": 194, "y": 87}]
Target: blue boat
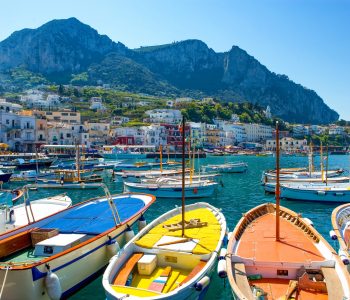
[{"x": 5, "y": 177}]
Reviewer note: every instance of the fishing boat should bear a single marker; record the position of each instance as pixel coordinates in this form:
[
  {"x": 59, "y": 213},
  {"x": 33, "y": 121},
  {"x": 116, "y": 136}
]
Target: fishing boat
[
  {"x": 5, "y": 176},
  {"x": 14, "y": 214},
  {"x": 148, "y": 173},
  {"x": 31, "y": 164},
  {"x": 232, "y": 167},
  {"x": 171, "y": 258},
  {"x": 59, "y": 254},
  {"x": 160, "y": 262},
  {"x": 270, "y": 186},
  {"x": 271, "y": 175},
  {"x": 30, "y": 175},
  {"x": 341, "y": 231},
  {"x": 166, "y": 187},
  {"x": 275, "y": 253},
  {"x": 320, "y": 192},
  {"x": 7, "y": 196}
]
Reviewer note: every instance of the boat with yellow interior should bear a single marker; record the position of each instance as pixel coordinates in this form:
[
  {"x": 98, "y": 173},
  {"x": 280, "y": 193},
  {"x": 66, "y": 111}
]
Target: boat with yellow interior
[{"x": 162, "y": 263}]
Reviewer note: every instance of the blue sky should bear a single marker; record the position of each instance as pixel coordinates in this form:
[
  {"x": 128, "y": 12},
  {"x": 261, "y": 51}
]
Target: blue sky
[{"x": 308, "y": 40}]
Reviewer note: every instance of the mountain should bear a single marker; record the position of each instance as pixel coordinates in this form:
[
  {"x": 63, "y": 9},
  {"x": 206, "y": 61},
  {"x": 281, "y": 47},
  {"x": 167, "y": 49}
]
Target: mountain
[{"x": 61, "y": 49}]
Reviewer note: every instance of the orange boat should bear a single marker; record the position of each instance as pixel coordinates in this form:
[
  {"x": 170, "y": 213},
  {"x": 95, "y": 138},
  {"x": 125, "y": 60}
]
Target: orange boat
[{"x": 274, "y": 253}]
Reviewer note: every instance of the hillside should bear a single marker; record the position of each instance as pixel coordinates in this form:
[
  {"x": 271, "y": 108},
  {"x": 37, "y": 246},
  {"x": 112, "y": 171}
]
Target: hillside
[{"x": 65, "y": 50}]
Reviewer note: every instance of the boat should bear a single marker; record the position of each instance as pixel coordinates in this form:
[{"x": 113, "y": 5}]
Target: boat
[
  {"x": 160, "y": 263},
  {"x": 341, "y": 231},
  {"x": 148, "y": 173},
  {"x": 106, "y": 165},
  {"x": 231, "y": 167},
  {"x": 14, "y": 214},
  {"x": 275, "y": 253},
  {"x": 58, "y": 255},
  {"x": 320, "y": 192},
  {"x": 126, "y": 151},
  {"x": 173, "y": 257},
  {"x": 271, "y": 175},
  {"x": 5, "y": 176},
  {"x": 30, "y": 164},
  {"x": 30, "y": 175},
  {"x": 166, "y": 187}
]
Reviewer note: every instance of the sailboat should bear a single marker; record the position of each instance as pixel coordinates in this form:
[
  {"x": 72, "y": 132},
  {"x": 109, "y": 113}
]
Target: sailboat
[
  {"x": 341, "y": 231},
  {"x": 171, "y": 258},
  {"x": 14, "y": 214},
  {"x": 54, "y": 257},
  {"x": 229, "y": 167},
  {"x": 292, "y": 261}
]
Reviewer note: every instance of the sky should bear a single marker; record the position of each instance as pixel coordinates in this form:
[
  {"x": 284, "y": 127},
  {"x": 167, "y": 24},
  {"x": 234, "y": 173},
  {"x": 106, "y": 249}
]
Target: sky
[{"x": 307, "y": 40}]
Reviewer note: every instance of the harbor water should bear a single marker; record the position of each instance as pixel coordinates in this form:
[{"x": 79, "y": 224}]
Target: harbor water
[{"x": 239, "y": 193}]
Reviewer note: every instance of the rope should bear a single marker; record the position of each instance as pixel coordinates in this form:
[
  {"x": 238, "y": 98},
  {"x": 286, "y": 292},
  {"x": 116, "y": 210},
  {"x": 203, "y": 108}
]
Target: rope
[{"x": 3, "y": 283}]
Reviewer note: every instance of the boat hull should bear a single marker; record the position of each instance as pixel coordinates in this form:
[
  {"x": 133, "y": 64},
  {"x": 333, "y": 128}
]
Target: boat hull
[
  {"x": 5, "y": 177},
  {"x": 321, "y": 195},
  {"x": 161, "y": 192}
]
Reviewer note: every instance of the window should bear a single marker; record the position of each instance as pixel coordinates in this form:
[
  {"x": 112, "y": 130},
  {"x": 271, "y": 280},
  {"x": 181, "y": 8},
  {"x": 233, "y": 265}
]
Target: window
[
  {"x": 64, "y": 114},
  {"x": 7, "y": 121}
]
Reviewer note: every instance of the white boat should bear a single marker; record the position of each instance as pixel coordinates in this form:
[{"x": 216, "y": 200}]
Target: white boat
[
  {"x": 146, "y": 173},
  {"x": 341, "y": 231},
  {"x": 13, "y": 215},
  {"x": 298, "y": 264},
  {"x": 54, "y": 257},
  {"x": 161, "y": 263},
  {"x": 31, "y": 175},
  {"x": 165, "y": 187},
  {"x": 271, "y": 175},
  {"x": 232, "y": 167},
  {"x": 320, "y": 192},
  {"x": 270, "y": 186},
  {"x": 126, "y": 151}
]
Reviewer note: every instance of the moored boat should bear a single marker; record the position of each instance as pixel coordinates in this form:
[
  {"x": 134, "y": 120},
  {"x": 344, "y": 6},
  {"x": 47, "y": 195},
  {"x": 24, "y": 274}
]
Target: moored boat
[
  {"x": 341, "y": 231},
  {"x": 162, "y": 262},
  {"x": 232, "y": 167},
  {"x": 61, "y": 253},
  {"x": 5, "y": 176}
]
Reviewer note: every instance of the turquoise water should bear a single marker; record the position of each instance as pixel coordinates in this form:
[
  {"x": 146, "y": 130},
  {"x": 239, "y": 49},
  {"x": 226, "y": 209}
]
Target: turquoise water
[{"x": 240, "y": 193}]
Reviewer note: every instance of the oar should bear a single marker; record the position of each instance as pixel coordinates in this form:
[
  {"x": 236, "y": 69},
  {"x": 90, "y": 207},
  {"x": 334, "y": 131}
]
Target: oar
[{"x": 175, "y": 242}]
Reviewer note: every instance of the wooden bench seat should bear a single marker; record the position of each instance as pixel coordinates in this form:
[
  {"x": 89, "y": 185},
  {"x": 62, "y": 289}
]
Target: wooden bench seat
[
  {"x": 195, "y": 271},
  {"x": 123, "y": 274},
  {"x": 334, "y": 287},
  {"x": 240, "y": 277}
]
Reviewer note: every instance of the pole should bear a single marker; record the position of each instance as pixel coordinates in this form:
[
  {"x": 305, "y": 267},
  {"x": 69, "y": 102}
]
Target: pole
[
  {"x": 321, "y": 162},
  {"x": 161, "y": 158},
  {"x": 183, "y": 176},
  {"x": 277, "y": 192},
  {"x": 327, "y": 165}
]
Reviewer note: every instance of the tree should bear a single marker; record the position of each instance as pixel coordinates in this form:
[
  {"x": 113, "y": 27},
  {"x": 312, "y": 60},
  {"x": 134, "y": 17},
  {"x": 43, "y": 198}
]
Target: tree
[{"x": 61, "y": 90}]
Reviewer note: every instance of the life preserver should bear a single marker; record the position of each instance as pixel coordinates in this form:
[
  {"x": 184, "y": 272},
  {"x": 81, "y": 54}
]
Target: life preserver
[{"x": 195, "y": 190}]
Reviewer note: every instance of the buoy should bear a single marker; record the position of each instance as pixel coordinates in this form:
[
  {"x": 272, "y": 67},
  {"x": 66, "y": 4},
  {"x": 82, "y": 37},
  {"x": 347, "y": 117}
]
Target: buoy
[
  {"x": 202, "y": 284},
  {"x": 333, "y": 235},
  {"x": 113, "y": 247},
  {"x": 129, "y": 234},
  {"x": 142, "y": 223},
  {"x": 221, "y": 269},
  {"x": 344, "y": 257},
  {"x": 53, "y": 285},
  {"x": 308, "y": 221}
]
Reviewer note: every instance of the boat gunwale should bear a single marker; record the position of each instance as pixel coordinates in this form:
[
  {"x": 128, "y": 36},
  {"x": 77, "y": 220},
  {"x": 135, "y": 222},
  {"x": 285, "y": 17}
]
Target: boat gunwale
[
  {"x": 336, "y": 229},
  {"x": 30, "y": 265}
]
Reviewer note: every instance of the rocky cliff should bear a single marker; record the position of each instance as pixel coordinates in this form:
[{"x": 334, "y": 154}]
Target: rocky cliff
[{"x": 61, "y": 48}]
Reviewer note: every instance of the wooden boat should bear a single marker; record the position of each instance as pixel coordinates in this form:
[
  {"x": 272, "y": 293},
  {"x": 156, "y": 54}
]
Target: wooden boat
[
  {"x": 14, "y": 214},
  {"x": 146, "y": 173},
  {"x": 341, "y": 231},
  {"x": 59, "y": 254},
  {"x": 7, "y": 196},
  {"x": 167, "y": 188},
  {"x": 271, "y": 175},
  {"x": 274, "y": 253},
  {"x": 159, "y": 263},
  {"x": 320, "y": 192},
  {"x": 175, "y": 254},
  {"x": 232, "y": 167},
  {"x": 30, "y": 176},
  {"x": 31, "y": 164}
]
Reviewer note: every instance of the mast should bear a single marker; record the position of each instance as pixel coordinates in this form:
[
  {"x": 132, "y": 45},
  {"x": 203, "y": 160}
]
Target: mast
[
  {"x": 77, "y": 163},
  {"x": 327, "y": 165},
  {"x": 161, "y": 158},
  {"x": 321, "y": 162},
  {"x": 189, "y": 158},
  {"x": 277, "y": 192},
  {"x": 183, "y": 177},
  {"x": 311, "y": 163}
]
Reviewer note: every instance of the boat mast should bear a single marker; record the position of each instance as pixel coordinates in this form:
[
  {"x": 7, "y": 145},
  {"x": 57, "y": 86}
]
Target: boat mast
[
  {"x": 161, "y": 158},
  {"x": 321, "y": 162},
  {"x": 327, "y": 165},
  {"x": 311, "y": 163},
  {"x": 77, "y": 161},
  {"x": 183, "y": 176},
  {"x": 277, "y": 192}
]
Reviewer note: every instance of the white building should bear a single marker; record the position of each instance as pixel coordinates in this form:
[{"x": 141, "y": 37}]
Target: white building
[
  {"x": 99, "y": 133},
  {"x": 170, "y": 116},
  {"x": 41, "y": 100},
  {"x": 300, "y": 130},
  {"x": 134, "y": 133},
  {"x": 119, "y": 120},
  {"x": 17, "y": 130},
  {"x": 67, "y": 134},
  {"x": 336, "y": 130},
  {"x": 97, "y": 103},
  {"x": 9, "y": 107},
  {"x": 183, "y": 100},
  {"x": 154, "y": 135},
  {"x": 287, "y": 144},
  {"x": 257, "y": 132}
]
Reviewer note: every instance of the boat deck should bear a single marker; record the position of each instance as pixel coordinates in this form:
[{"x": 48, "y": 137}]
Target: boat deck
[
  {"x": 202, "y": 240},
  {"x": 95, "y": 217},
  {"x": 258, "y": 242},
  {"x": 277, "y": 289}
]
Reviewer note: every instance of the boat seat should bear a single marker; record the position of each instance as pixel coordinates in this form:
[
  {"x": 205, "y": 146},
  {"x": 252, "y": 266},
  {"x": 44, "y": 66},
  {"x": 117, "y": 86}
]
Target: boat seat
[
  {"x": 123, "y": 274},
  {"x": 240, "y": 277},
  {"x": 305, "y": 283},
  {"x": 15, "y": 243},
  {"x": 334, "y": 286},
  {"x": 201, "y": 264}
]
